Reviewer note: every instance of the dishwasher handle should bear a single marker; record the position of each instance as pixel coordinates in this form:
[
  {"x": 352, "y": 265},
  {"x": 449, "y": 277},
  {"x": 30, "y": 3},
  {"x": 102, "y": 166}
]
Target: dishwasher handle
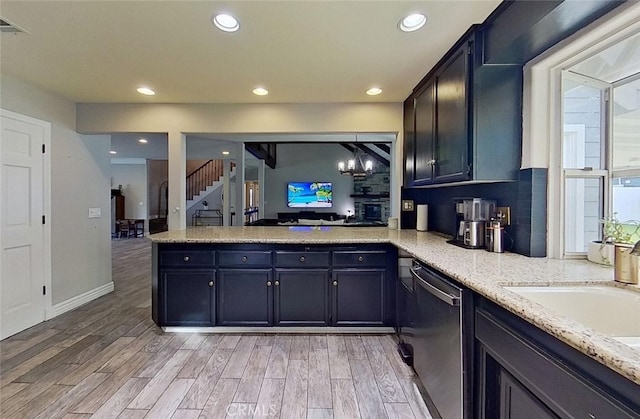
[{"x": 452, "y": 300}]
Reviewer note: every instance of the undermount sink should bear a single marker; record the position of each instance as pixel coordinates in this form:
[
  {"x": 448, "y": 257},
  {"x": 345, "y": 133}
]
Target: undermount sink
[{"x": 608, "y": 310}]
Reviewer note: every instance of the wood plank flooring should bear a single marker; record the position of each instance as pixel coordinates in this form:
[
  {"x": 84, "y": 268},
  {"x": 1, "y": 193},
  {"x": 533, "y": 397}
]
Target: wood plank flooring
[{"x": 107, "y": 359}]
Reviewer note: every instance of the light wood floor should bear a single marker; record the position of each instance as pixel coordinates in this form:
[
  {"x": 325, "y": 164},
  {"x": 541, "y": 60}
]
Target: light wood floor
[{"x": 107, "y": 359}]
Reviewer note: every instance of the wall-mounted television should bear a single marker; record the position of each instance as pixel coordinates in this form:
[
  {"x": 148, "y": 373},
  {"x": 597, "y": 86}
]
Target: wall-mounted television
[{"x": 309, "y": 195}]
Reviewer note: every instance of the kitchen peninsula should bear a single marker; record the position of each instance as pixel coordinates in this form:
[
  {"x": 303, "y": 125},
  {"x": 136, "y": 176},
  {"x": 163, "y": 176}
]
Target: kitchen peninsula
[{"x": 328, "y": 256}]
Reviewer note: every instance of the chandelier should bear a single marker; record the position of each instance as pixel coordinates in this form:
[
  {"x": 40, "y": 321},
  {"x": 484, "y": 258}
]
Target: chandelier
[{"x": 358, "y": 165}]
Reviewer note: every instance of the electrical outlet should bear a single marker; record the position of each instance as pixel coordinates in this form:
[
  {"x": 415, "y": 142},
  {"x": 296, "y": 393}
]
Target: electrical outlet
[
  {"x": 407, "y": 205},
  {"x": 505, "y": 215}
]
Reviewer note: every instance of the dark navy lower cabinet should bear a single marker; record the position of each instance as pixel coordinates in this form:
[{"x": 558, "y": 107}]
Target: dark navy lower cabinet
[
  {"x": 189, "y": 297},
  {"x": 273, "y": 285},
  {"x": 301, "y": 297},
  {"x": 523, "y": 372},
  {"x": 358, "y": 297},
  {"x": 245, "y": 297}
]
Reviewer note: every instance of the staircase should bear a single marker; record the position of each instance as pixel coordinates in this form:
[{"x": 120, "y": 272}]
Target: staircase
[{"x": 204, "y": 181}]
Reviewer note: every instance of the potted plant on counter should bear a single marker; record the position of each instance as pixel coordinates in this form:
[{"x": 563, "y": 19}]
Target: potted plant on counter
[{"x": 614, "y": 232}]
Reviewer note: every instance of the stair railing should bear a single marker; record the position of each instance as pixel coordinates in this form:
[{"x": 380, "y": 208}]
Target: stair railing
[{"x": 204, "y": 176}]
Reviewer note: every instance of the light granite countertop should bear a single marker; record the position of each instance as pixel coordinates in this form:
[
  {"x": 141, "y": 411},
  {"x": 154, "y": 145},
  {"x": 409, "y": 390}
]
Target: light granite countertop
[{"x": 484, "y": 272}]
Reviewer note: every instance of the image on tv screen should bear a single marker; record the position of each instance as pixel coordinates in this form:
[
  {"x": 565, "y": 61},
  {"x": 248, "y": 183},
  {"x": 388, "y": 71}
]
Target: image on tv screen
[{"x": 309, "y": 195}]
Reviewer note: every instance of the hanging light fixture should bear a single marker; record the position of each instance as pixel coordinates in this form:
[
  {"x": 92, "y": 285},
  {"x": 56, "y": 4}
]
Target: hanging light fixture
[{"x": 357, "y": 166}]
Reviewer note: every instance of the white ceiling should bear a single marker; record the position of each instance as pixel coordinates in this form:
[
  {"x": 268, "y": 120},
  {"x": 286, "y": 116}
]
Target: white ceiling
[{"x": 302, "y": 51}]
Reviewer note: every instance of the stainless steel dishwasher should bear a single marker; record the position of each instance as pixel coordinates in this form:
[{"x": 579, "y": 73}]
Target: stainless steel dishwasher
[{"x": 442, "y": 342}]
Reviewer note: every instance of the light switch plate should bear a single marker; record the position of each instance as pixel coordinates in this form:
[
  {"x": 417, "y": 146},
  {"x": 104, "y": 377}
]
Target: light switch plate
[
  {"x": 95, "y": 212},
  {"x": 407, "y": 205}
]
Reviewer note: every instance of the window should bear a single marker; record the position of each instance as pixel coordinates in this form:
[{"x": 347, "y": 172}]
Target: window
[
  {"x": 584, "y": 116},
  {"x": 600, "y": 142},
  {"x": 581, "y": 121}
]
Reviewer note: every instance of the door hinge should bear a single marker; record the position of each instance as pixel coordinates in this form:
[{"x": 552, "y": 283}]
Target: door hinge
[
  {"x": 44, "y": 290},
  {"x": 43, "y": 148},
  {"x": 43, "y": 219}
]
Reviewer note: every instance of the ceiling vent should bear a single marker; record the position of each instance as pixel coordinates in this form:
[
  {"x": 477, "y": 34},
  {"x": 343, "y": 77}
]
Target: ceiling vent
[{"x": 8, "y": 27}]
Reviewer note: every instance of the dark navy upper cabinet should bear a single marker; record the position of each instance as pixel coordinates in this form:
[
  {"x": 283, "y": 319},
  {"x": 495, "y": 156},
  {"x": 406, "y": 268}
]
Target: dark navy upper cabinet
[
  {"x": 424, "y": 134},
  {"x": 408, "y": 152},
  {"x": 451, "y": 142},
  {"x": 439, "y": 136}
]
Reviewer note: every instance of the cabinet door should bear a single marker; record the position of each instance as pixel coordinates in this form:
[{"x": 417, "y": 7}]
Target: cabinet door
[
  {"x": 301, "y": 297},
  {"x": 452, "y": 119},
  {"x": 245, "y": 297},
  {"x": 358, "y": 297},
  {"x": 517, "y": 402},
  {"x": 424, "y": 135},
  {"x": 187, "y": 297},
  {"x": 409, "y": 142}
]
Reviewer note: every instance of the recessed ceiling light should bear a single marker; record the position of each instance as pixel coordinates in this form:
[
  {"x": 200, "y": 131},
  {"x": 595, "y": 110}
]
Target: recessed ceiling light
[
  {"x": 145, "y": 91},
  {"x": 225, "y": 22},
  {"x": 412, "y": 22},
  {"x": 260, "y": 91},
  {"x": 143, "y": 140},
  {"x": 113, "y": 152},
  {"x": 226, "y": 153},
  {"x": 374, "y": 91}
]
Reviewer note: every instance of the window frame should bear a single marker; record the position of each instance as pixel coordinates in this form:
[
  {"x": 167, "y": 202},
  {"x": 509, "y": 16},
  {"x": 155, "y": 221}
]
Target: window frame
[
  {"x": 542, "y": 104},
  {"x": 602, "y": 173}
]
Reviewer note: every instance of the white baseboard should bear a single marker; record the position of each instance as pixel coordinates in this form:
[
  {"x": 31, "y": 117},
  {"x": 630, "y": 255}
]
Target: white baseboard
[{"x": 78, "y": 300}]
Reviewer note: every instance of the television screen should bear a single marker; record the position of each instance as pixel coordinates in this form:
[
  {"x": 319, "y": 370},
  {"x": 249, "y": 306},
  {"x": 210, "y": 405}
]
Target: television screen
[{"x": 309, "y": 195}]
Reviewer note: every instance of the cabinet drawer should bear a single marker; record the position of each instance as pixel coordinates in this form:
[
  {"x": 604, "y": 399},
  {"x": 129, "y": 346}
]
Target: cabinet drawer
[
  {"x": 302, "y": 259},
  {"x": 356, "y": 259},
  {"x": 187, "y": 258},
  {"x": 234, "y": 258}
]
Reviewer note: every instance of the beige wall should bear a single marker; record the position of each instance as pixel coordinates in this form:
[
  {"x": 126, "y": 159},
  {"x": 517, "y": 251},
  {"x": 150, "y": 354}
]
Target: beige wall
[
  {"x": 80, "y": 179},
  {"x": 239, "y": 118},
  {"x": 180, "y": 119}
]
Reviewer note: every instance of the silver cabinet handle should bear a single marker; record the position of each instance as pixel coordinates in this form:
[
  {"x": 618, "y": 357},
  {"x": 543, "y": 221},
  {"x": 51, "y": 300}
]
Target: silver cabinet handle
[
  {"x": 277, "y": 283},
  {"x": 186, "y": 258},
  {"x": 268, "y": 283},
  {"x": 360, "y": 258},
  {"x": 244, "y": 258},
  {"x": 431, "y": 162},
  {"x": 211, "y": 283},
  {"x": 335, "y": 283},
  {"x": 301, "y": 258}
]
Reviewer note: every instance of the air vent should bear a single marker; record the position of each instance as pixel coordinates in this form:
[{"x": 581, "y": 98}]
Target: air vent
[{"x": 8, "y": 27}]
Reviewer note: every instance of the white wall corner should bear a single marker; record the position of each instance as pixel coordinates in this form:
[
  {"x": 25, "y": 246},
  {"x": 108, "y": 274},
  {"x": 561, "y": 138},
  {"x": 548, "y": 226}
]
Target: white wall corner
[{"x": 78, "y": 300}]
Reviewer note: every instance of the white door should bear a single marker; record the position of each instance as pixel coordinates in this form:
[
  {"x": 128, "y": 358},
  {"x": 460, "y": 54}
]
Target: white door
[{"x": 22, "y": 235}]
